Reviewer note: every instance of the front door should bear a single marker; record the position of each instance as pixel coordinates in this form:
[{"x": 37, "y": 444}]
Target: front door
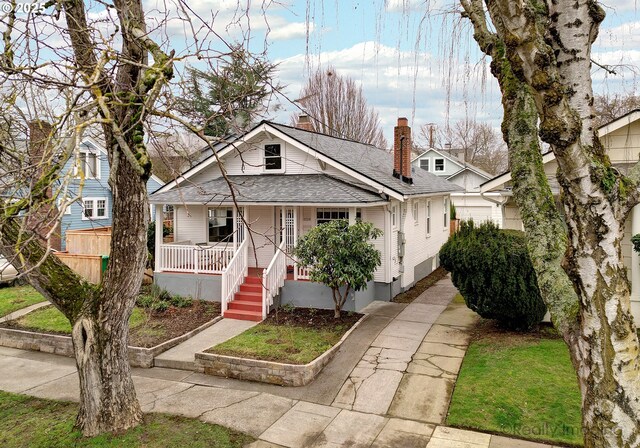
[{"x": 261, "y": 244}]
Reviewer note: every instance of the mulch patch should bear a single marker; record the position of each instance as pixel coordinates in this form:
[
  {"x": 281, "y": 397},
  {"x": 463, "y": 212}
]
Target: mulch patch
[
  {"x": 174, "y": 322},
  {"x": 488, "y": 330},
  {"x": 421, "y": 286},
  {"x": 311, "y": 318}
]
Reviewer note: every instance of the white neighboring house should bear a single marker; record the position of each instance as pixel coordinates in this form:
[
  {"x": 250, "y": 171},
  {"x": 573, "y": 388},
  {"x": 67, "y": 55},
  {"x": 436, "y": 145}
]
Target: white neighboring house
[
  {"x": 469, "y": 203},
  {"x": 621, "y": 140},
  {"x": 287, "y": 180}
]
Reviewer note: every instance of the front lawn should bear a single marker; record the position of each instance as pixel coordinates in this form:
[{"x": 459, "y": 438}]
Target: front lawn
[
  {"x": 295, "y": 336},
  {"x": 518, "y": 384},
  {"x": 17, "y": 297},
  {"x": 36, "y": 423}
]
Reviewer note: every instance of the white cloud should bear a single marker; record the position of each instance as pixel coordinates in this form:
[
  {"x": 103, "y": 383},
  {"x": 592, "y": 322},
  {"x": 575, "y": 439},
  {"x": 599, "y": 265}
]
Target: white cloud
[
  {"x": 620, "y": 5},
  {"x": 294, "y": 30},
  {"x": 401, "y": 83}
]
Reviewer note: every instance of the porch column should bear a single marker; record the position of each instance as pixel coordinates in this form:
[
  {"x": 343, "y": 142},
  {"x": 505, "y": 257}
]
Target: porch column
[
  {"x": 159, "y": 239},
  {"x": 235, "y": 229},
  {"x": 635, "y": 266},
  {"x": 352, "y": 216},
  {"x": 295, "y": 239}
]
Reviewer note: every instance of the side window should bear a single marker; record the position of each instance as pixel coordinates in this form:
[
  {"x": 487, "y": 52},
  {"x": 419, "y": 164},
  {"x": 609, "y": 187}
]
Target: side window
[
  {"x": 424, "y": 164},
  {"x": 394, "y": 216},
  {"x": 446, "y": 213},
  {"x": 415, "y": 212},
  {"x": 273, "y": 157},
  {"x": 427, "y": 218}
]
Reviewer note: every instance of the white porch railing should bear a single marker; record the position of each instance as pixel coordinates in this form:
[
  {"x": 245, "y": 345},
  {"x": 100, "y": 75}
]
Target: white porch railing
[
  {"x": 273, "y": 278},
  {"x": 233, "y": 275},
  {"x": 194, "y": 258},
  {"x": 301, "y": 272}
]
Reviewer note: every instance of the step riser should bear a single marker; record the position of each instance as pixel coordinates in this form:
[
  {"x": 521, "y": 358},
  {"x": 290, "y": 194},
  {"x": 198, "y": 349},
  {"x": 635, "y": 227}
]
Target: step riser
[
  {"x": 233, "y": 315},
  {"x": 250, "y": 288},
  {"x": 253, "y": 280},
  {"x": 249, "y": 297},
  {"x": 245, "y": 306}
]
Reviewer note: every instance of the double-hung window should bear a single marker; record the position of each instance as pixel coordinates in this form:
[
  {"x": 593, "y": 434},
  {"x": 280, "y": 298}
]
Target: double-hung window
[
  {"x": 424, "y": 164},
  {"x": 438, "y": 165},
  {"x": 415, "y": 212},
  {"x": 427, "y": 219},
  {"x": 94, "y": 208},
  {"x": 220, "y": 224},
  {"x": 273, "y": 157},
  {"x": 445, "y": 205},
  {"x": 330, "y": 214},
  {"x": 89, "y": 164}
]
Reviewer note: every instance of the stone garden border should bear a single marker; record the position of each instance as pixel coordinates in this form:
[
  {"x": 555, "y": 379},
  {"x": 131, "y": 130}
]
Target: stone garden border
[
  {"x": 62, "y": 345},
  {"x": 268, "y": 371}
]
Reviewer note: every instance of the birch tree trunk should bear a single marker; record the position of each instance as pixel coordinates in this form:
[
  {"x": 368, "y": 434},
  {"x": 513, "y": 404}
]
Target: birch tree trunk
[{"x": 541, "y": 58}]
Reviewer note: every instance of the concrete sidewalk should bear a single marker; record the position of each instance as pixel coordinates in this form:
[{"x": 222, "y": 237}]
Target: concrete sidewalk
[
  {"x": 389, "y": 387},
  {"x": 182, "y": 356}
]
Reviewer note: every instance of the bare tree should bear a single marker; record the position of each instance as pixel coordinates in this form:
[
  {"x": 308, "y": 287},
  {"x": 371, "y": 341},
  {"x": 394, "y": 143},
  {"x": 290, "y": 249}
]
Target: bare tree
[
  {"x": 338, "y": 107},
  {"x": 541, "y": 57},
  {"x": 610, "y": 107},
  {"x": 61, "y": 76}
]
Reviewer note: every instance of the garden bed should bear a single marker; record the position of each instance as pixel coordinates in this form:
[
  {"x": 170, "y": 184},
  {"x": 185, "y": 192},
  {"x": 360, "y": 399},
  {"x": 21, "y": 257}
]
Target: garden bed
[
  {"x": 421, "y": 286},
  {"x": 151, "y": 332},
  {"x": 518, "y": 384},
  {"x": 289, "y": 348}
]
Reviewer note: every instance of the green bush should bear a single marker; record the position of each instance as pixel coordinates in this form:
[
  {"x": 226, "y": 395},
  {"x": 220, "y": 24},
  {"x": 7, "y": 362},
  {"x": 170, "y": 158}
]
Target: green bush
[{"x": 492, "y": 270}]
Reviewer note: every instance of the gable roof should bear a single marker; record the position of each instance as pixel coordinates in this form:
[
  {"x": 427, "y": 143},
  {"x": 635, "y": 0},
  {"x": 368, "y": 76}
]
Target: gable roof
[
  {"x": 548, "y": 156},
  {"x": 461, "y": 163},
  {"x": 365, "y": 163}
]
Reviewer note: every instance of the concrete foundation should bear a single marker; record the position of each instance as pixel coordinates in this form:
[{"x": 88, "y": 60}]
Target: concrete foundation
[
  {"x": 316, "y": 295},
  {"x": 425, "y": 268},
  {"x": 197, "y": 286}
]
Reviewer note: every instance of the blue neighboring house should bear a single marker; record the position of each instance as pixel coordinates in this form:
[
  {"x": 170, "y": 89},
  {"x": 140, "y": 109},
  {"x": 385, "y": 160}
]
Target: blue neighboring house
[{"x": 93, "y": 208}]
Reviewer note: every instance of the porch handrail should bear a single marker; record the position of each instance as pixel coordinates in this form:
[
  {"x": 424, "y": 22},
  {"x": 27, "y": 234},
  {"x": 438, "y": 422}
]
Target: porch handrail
[
  {"x": 233, "y": 275},
  {"x": 301, "y": 272},
  {"x": 273, "y": 278},
  {"x": 192, "y": 258}
]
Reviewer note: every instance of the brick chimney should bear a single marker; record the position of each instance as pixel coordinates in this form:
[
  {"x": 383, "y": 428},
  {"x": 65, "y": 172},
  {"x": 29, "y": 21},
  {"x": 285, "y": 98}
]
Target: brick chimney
[
  {"x": 41, "y": 221},
  {"x": 304, "y": 123},
  {"x": 402, "y": 151}
]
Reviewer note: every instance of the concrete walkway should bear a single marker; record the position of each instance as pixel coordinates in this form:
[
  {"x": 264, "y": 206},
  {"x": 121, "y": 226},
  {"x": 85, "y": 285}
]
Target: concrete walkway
[
  {"x": 23, "y": 311},
  {"x": 389, "y": 387},
  {"x": 182, "y": 356}
]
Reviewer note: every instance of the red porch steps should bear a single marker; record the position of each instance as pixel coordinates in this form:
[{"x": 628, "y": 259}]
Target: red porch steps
[{"x": 247, "y": 303}]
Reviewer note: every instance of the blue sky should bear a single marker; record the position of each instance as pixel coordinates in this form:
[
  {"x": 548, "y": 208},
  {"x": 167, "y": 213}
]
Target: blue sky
[{"x": 435, "y": 78}]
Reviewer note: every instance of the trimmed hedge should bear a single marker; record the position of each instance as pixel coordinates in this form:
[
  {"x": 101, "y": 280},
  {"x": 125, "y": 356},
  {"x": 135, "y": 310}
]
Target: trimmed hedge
[{"x": 492, "y": 270}]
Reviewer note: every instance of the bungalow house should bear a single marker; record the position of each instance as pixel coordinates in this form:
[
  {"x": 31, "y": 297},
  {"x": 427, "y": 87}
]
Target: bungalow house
[
  {"x": 286, "y": 180},
  {"x": 621, "y": 139},
  {"x": 469, "y": 203}
]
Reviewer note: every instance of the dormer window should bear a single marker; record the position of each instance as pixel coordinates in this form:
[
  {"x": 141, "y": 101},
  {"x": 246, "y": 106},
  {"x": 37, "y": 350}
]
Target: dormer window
[
  {"x": 424, "y": 164},
  {"x": 438, "y": 165},
  {"x": 273, "y": 157}
]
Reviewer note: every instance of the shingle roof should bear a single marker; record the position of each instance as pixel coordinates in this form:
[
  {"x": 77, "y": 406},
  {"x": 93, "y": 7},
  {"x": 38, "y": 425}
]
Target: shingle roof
[
  {"x": 374, "y": 163},
  {"x": 270, "y": 188}
]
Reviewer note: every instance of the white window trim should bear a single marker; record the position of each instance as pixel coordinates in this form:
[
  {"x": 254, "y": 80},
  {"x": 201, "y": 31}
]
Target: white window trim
[
  {"x": 67, "y": 210},
  {"x": 445, "y": 216},
  {"x": 84, "y": 168},
  {"x": 435, "y": 166},
  {"x": 95, "y": 200},
  {"x": 427, "y": 218},
  {"x": 416, "y": 212},
  {"x": 394, "y": 217},
  {"x": 282, "y": 157}
]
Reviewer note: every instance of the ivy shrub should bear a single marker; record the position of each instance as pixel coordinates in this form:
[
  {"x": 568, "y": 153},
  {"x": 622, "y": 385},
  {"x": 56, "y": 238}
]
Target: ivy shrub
[{"x": 493, "y": 272}]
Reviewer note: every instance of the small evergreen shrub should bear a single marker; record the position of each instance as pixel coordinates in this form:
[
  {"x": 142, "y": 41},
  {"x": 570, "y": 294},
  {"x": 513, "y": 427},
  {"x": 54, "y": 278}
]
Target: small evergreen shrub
[{"x": 492, "y": 270}]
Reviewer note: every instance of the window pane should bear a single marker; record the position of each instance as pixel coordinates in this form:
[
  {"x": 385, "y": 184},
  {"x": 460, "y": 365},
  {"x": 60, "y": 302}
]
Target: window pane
[
  {"x": 424, "y": 164},
  {"x": 88, "y": 209},
  {"x": 272, "y": 150},
  {"x": 101, "y": 208},
  {"x": 92, "y": 165},
  {"x": 220, "y": 224},
  {"x": 273, "y": 163},
  {"x": 439, "y": 164}
]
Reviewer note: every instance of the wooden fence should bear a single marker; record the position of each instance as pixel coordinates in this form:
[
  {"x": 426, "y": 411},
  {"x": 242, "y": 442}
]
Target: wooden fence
[
  {"x": 87, "y": 266},
  {"x": 89, "y": 241}
]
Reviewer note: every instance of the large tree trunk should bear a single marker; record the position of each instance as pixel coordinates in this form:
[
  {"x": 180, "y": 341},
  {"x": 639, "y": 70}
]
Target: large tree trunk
[{"x": 541, "y": 59}]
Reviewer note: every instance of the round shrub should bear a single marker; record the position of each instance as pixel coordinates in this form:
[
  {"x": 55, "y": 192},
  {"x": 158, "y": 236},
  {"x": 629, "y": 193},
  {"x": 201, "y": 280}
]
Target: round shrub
[{"x": 492, "y": 270}]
